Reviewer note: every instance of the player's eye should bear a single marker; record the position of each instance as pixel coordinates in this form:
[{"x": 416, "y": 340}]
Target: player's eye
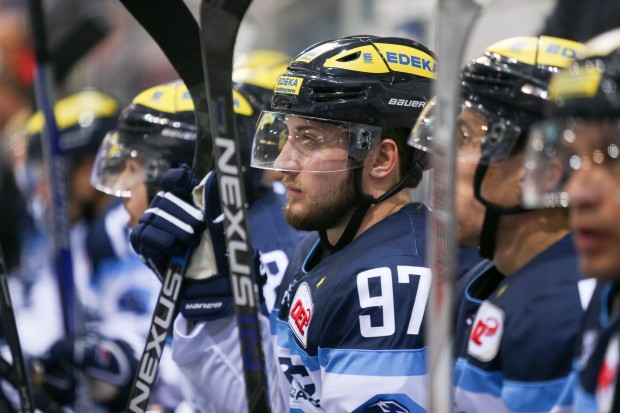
[
  {"x": 463, "y": 138},
  {"x": 310, "y": 140}
]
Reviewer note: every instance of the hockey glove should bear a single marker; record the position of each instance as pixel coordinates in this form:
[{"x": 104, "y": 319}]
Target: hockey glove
[
  {"x": 107, "y": 363},
  {"x": 171, "y": 224},
  {"x": 206, "y": 294}
]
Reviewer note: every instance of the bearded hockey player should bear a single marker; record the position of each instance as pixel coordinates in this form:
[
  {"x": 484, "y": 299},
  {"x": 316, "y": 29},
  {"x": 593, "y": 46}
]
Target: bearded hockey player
[{"x": 353, "y": 298}]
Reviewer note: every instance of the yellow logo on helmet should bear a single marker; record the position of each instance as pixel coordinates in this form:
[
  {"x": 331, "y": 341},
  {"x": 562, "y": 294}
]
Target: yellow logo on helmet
[
  {"x": 581, "y": 83},
  {"x": 289, "y": 85},
  {"x": 241, "y": 104},
  {"x": 543, "y": 50},
  {"x": 398, "y": 58},
  {"x": 170, "y": 98}
]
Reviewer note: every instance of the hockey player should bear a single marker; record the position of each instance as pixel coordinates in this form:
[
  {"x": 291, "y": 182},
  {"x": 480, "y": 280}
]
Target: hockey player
[
  {"x": 349, "y": 311},
  {"x": 572, "y": 160},
  {"x": 470, "y": 212},
  {"x": 531, "y": 287},
  {"x": 133, "y": 163},
  {"x": 83, "y": 119}
]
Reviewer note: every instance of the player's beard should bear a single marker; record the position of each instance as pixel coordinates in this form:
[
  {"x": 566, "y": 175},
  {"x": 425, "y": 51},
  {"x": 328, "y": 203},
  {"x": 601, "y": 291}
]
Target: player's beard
[{"x": 327, "y": 209}]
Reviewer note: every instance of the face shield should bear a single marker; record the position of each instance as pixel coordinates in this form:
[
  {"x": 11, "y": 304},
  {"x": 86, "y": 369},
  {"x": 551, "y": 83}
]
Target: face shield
[
  {"x": 481, "y": 136},
  {"x": 558, "y": 149},
  {"x": 293, "y": 143},
  {"x": 119, "y": 168}
]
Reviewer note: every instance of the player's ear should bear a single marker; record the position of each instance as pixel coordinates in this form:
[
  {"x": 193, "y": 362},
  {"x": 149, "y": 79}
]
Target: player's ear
[{"x": 386, "y": 160}]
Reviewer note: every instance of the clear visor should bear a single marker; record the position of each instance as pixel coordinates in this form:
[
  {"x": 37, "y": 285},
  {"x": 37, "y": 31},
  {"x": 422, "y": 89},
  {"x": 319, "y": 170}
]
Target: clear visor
[
  {"x": 285, "y": 142},
  {"x": 118, "y": 168},
  {"x": 558, "y": 149},
  {"x": 481, "y": 137}
]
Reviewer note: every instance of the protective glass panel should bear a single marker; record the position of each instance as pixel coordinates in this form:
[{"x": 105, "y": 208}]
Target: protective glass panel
[
  {"x": 481, "y": 137},
  {"x": 117, "y": 168},
  {"x": 285, "y": 142}
]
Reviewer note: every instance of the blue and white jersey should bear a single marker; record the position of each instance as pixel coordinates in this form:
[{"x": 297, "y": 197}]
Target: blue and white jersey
[
  {"x": 597, "y": 387},
  {"x": 208, "y": 354},
  {"x": 517, "y": 335},
  {"x": 349, "y": 326}
]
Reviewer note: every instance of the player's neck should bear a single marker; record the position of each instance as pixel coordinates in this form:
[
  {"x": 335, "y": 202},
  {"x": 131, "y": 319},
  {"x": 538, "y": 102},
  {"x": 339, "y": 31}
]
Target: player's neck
[
  {"x": 375, "y": 214},
  {"x": 521, "y": 237}
]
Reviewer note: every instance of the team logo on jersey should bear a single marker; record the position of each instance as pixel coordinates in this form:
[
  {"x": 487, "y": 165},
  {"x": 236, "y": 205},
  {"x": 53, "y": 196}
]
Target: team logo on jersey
[
  {"x": 299, "y": 317},
  {"x": 608, "y": 376},
  {"x": 390, "y": 403},
  {"x": 486, "y": 334}
]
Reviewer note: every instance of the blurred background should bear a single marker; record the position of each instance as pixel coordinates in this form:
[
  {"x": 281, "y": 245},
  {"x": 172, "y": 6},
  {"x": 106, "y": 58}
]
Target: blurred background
[
  {"x": 126, "y": 61},
  {"x": 96, "y": 43}
]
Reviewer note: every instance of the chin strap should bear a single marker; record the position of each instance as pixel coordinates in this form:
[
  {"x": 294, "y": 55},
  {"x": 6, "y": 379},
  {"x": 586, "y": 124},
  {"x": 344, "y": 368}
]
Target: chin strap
[
  {"x": 492, "y": 215},
  {"x": 366, "y": 201}
]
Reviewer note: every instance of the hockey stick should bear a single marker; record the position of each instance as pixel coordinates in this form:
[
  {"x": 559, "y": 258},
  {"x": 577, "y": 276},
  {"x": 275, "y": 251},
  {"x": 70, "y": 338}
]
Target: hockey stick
[
  {"x": 220, "y": 20},
  {"x": 179, "y": 46},
  {"x": 455, "y": 20},
  {"x": 41, "y": 401},
  {"x": 58, "y": 176},
  {"x": 45, "y": 97},
  {"x": 20, "y": 382},
  {"x": 183, "y": 50}
]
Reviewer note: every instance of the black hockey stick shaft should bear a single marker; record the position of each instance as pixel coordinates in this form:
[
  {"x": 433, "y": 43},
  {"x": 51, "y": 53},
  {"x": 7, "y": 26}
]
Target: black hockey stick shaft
[
  {"x": 41, "y": 401},
  {"x": 455, "y": 20},
  {"x": 21, "y": 383},
  {"x": 220, "y": 21},
  {"x": 176, "y": 31}
]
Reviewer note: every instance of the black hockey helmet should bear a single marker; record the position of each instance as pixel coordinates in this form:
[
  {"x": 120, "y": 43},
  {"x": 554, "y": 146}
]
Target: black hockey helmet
[
  {"x": 379, "y": 81},
  {"x": 508, "y": 85},
  {"x": 582, "y": 127},
  {"x": 591, "y": 86},
  {"x": 504, "y": 91},
  {"x": 367, "y": 85},
  {"x": 157, "y": 130},
  {"x": 82, "y": 119}
]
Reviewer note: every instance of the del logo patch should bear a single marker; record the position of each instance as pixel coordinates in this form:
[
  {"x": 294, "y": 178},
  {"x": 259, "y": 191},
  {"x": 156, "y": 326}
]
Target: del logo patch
[
  {"x": 299, "y": 317},
  {"x": 486, "y": 333},
  {"x": 608, "y": 376}
]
